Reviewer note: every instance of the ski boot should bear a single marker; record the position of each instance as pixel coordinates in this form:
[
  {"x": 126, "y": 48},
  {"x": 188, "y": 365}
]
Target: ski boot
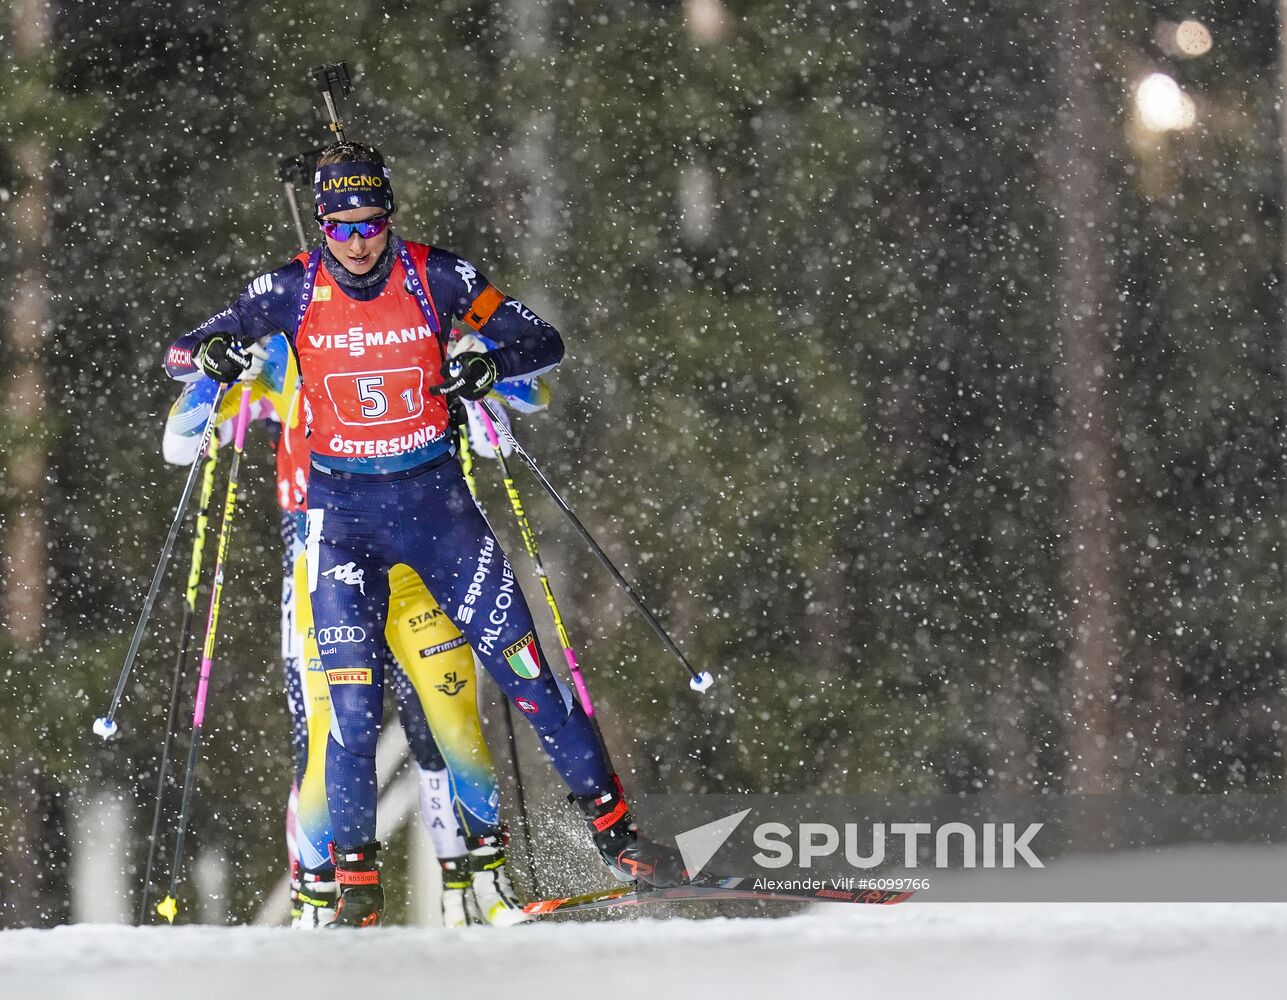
[
  {"x": 313, "y": 896},
  {"x": 631, "y": 856},
  {"x": 494, "y": 897},
  {"x": 357, "y": 872},
  {"x": 458, "y": 906}
]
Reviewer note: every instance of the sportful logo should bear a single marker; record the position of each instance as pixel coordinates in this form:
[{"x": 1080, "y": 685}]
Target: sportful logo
[
  {"x": 260, "y": 285},
  {"x": 342, "y": 633},
  {"x": 465, "y": 612},
  {"x": 348, "y": 573}
]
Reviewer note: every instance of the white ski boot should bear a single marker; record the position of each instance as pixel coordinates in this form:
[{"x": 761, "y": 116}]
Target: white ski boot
[
  {"x": 458, "y": 906},
  {"x": 313, "y": 896},
  {"x": 493, "y": 894}
]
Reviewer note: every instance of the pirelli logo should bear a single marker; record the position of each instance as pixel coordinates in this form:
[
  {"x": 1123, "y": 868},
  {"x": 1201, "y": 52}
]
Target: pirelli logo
[{"x": 349, "y": 675}]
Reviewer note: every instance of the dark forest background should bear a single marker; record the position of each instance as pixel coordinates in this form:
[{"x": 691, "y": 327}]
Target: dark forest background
[{"x": 933, "y": 397}]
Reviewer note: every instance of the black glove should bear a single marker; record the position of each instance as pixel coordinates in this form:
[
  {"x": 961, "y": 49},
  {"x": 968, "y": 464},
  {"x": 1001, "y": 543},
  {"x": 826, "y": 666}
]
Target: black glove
[
  {"x": 470, "y": 375},
  {"x": 221, "y": 360}
]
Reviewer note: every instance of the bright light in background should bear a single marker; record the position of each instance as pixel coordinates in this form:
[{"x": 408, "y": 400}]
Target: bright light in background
[
  {"x": 1186, "y": 40},
  {"x": 707, "y": 20},
  {"x": 1162, "y": 105},
  {"x": 1192, "y": 39}
]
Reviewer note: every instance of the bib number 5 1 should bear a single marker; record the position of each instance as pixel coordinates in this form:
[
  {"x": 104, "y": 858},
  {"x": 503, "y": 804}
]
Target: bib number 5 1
[{"x": 376, "y": 397}]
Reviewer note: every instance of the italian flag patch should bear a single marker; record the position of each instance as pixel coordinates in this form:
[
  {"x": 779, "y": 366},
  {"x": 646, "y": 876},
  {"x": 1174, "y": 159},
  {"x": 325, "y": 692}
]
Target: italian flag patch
[{"x": 521, "y": 657}]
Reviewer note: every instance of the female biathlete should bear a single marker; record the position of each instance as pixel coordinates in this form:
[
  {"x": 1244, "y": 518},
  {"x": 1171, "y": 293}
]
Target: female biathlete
[
  {"x": 368, "y": 314},
  {"x": 432, "y": 671}
]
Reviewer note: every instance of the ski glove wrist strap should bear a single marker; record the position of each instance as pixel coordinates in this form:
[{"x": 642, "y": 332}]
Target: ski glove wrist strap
[
  {"x": 470, "y": 375},
  {"x": 221, "y": 360}
]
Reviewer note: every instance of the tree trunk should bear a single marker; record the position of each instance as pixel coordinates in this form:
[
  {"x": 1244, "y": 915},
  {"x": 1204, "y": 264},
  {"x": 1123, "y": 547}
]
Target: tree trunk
[
  {"x": 24, "y": 856},
  {"x": 24, "y": 544},
  {"x": 1086, "y": 210}
]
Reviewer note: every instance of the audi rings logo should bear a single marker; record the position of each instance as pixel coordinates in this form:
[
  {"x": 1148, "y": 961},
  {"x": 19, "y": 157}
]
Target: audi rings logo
[{"x": 342, "y": 633}]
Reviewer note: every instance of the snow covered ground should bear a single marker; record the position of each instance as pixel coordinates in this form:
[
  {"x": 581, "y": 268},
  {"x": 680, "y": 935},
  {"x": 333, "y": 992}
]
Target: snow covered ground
[{"x": 994, "y": 950}]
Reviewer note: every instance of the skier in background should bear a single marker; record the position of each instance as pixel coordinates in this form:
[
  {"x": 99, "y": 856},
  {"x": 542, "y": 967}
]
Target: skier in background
[{"x": 368, "y": 315}]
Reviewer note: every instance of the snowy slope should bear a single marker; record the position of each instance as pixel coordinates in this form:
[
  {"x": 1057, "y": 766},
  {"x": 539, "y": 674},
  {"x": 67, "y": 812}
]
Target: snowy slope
[{"x": 995, "y": 950}]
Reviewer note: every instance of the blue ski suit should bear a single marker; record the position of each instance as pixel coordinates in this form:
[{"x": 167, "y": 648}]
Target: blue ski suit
[{"x": 382, "y": 493}]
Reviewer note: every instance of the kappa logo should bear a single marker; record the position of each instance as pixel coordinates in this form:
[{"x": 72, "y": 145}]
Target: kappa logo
[
  {"x": 350, "y": 574},
  {"x": 451, "y": 685},
  {"x": 343, "y": 633},
  {"x": 468, "y": 274}
]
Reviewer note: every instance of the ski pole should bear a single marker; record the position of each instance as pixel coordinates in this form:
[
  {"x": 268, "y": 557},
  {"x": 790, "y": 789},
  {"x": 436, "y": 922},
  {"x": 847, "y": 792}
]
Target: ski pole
[
  {"x": 697, "y": 681},
  {"x": 467, "y": 467},
  {"x": 529, "y": 542},
  {"x": 106, "y": 725},
  {"x": 289, "y": 170},
  {"x": 180, "y": 662},
  {"x": 169, "y": 907}
]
